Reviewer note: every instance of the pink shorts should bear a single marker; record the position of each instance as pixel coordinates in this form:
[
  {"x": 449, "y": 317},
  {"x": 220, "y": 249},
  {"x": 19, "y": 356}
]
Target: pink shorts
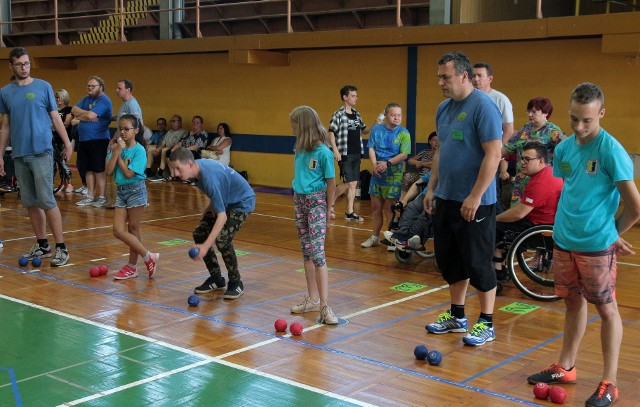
[{"x": 591, "y": 274}]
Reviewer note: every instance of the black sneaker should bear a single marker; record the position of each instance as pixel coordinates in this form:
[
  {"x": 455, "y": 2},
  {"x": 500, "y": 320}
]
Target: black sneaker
[
  {"x": 234, "y": 290},
  {"x": 211, "y": 284}
]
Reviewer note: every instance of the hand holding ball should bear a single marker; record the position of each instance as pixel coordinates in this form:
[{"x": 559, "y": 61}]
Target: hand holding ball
[{"x": 194, "y": 252}]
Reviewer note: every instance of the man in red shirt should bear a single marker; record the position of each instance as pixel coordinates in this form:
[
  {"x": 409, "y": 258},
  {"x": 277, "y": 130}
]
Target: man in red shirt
[{"x": 539, "y": 202}]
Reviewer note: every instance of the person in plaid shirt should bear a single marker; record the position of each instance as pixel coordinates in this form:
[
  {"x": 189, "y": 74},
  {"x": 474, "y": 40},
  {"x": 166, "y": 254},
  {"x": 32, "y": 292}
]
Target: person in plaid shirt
[{"x": 345, "y": 133}]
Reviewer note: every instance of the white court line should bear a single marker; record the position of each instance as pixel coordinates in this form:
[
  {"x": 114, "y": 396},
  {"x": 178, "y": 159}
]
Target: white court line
[{"x": 206, "y": 360}]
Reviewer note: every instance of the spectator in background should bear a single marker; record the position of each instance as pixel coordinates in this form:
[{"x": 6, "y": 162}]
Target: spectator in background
[
  {"x": 94, "y": 113},
  {"x": 173, "y": 137},
  {"x": 60, "y": 161},
  {"x": 220, "y": 147},
  {"x": 153, "y": 153}
]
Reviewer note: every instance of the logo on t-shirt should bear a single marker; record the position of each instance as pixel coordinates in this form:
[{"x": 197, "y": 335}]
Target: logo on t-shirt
[
  {"x": 528, "y": 200},
  {"x": 462, "y": 116},
  {"x": 592, "y": 166},
  {"x": 30, "y": 96},
  {"x": 313, "y": 164}
]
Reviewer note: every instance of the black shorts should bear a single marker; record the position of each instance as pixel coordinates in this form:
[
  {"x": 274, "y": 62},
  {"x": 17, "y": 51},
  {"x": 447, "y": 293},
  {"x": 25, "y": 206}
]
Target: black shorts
[
  {"x": 464, "y": 250},
  {"x": 350, "y": 167},
  {"x": 92, "y": 155},
  {"x": 517, "y": 227}
]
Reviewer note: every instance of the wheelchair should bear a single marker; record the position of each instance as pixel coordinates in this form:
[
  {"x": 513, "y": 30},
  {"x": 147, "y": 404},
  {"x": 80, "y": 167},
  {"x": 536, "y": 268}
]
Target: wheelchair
[{"x": 528, "y": 261}]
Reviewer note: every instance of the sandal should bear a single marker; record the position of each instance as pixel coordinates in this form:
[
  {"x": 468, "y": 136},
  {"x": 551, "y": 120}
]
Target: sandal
[{"x": 353, "y": 217}]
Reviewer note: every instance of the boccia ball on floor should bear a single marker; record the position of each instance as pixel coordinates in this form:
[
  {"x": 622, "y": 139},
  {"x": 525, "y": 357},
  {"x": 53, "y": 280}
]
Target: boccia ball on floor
[
  {"x": 557, "y": 394},
  {"x": 36, "y": 262},
  {"x": 103, "y": 270},
  {"x": 23, "y": 261},
  {"x": 296, "y": 328},
  {"x": 280, "y": 325},
  {"x": 193, "y": 300},
  {"x": 94, "y": 272},
  {"x": 434, "y": 358},
  {"x": 541, "y": 391},
  {"x": 194, "y": 252},
  {"x": 421, "y": 352}
]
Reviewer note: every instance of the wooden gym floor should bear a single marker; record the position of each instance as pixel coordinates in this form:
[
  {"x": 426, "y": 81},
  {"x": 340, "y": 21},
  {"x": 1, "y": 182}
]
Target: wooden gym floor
[{"x": 69, "y": 339}]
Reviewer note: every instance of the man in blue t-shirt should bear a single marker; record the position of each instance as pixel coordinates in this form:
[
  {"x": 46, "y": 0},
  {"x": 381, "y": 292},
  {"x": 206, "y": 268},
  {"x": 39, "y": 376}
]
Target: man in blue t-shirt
[
  {"x": 462, "y": 188},
  {"x": 597, "y": 172},
  {"x": 94, "y": 114},
  {"x": 29, "y": 109},
  {"x": 232, "y": 200}
]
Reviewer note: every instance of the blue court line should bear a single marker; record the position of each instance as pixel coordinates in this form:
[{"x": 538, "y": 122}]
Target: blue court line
[{"x": 14, "y": 385}]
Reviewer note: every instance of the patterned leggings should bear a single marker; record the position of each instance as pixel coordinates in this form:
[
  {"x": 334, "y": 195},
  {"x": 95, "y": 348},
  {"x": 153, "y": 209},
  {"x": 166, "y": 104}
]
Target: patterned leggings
[
  {"x": 224, "y": 243},
  {"x": 311, "y": 222}
]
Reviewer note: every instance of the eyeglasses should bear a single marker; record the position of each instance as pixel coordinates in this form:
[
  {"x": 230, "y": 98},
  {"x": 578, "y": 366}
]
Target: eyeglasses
[
  {"x": 92, "y": 86},
  {"x": 19, "y": 65},
  {"x": 527, "y": 159},
  {"x": 124, "y": 129}
]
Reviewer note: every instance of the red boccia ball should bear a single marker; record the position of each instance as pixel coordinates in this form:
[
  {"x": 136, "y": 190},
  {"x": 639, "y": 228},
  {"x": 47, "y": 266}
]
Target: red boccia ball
[
  {"x": 103, "y": 270},
  {"x": 296, "y": 328},
  {"x": 557, "y": 394},
  {"x": 280, "y": 325},
  {"x": 541, "y": 391},
  {"x": 94, "y": 272}
]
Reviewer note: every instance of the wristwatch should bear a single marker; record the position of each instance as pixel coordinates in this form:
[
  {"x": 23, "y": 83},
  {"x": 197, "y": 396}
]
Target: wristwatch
[{"x": 389, "y": 163}]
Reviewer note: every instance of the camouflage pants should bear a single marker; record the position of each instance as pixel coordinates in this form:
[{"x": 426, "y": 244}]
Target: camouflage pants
[{"x": 224, "y": 243}]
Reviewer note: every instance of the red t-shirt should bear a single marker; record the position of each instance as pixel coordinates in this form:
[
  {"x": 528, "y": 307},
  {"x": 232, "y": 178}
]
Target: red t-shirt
[{"x": 542, "y": 193}]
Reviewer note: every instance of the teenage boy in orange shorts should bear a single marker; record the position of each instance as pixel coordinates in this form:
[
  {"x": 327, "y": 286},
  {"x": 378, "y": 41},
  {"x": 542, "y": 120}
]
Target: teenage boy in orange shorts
[{"x": 597, "y": 172}]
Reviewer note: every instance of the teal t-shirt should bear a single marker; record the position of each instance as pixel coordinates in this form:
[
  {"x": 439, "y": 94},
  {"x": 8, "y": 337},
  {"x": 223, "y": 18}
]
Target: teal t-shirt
[
  {"x": 585, "y": 218},
  {"x": 312, "y": 168},
  {"x": 136, "y": 160}
]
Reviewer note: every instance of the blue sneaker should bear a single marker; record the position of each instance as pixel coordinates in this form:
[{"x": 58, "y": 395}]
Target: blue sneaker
[
  {"x": 480, "y": 334},
  {"x": 447, "y": 323}
]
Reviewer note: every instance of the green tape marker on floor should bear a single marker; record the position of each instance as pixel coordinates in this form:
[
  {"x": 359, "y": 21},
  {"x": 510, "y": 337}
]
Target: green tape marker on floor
[
  {"x": 519, "y": 308},
  {"x": 408, "y": 287},
  {"x": 173, "y": 242}
]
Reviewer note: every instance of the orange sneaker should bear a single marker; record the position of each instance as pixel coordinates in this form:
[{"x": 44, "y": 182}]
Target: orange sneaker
[
  {"x": 554, "y": 374},
  {"x": 604, "y": 396}
]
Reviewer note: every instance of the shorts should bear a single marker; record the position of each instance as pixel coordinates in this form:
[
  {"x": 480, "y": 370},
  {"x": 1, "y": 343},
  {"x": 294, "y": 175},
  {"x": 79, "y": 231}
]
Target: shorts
[
  {"x": 591, "y": 274},
  {"x": 388, "y": 185},
  {"x": 35, "y": 176},
  {"x": 350, "y": 167},
  {"x": 464, "y": 250},
  {"x": 92, "y": 155},
  {"x": 131, "y": 195},
  {"x": 517, "y": 227}
]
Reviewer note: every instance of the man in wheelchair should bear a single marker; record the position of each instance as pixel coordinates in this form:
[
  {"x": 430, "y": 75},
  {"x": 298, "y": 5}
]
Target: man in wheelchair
[
  {"x": 538, "y": 204},
  {"x": 410, "y": 225}
]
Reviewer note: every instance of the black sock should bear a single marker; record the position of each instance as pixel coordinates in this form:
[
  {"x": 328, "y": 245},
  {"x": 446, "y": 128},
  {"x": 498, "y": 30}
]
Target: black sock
[
  {"x": 488, "y": 318},
  {"x": 43, "y": 243},
  {"x": 457, "y": 310},
  {"x": 61, "y": 245}
]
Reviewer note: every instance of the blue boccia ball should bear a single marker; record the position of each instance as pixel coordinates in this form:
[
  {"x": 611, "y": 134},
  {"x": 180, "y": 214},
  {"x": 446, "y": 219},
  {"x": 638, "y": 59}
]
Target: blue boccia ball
[
  {"x": 193, "y": 300},
  {"x": 23, "y": 261},
  {"x": 421, "y": 352},
  {"x": 36, "y": 262},
  {"x": 434, "y": 358},
  {"x": 193, "y": 252}
]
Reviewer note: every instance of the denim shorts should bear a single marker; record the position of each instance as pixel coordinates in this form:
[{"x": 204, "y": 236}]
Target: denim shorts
[
  {"x": 35, "y": 177},
  {"x": 131, "y": 195}
]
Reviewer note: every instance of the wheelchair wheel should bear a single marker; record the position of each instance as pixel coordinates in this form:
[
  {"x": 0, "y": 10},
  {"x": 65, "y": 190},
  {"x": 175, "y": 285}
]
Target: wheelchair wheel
[
  {"x": 403, "y": 256},
  {"x": 529, "y": 262},
  {"x": 429, "y": 251}
]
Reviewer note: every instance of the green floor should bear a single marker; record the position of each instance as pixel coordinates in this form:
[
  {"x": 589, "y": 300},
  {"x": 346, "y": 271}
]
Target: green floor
[{"x": 59, "y": 360}]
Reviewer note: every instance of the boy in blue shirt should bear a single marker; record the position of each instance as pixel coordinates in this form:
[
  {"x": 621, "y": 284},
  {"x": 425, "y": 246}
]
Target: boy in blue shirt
[
  {"x": 597, "y": 172},
  {"x": 232, "y": 200}
]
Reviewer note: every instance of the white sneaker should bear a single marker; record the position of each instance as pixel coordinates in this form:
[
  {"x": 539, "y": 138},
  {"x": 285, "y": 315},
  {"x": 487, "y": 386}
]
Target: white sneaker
[
  {"x": 100, "y": 202},
  {"x": 388, "y": 235},
  {"x": 391, "y": 248},
  {"x": 414, "y": 242},
  {"x": 88, "y": 201},
  {"x": 371, "y": 241}
]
